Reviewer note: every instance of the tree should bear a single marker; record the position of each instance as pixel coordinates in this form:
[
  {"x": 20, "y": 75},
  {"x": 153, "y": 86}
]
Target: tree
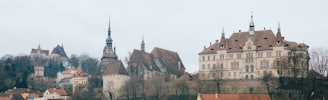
[
  {"x": 74, "y": 60},
  {"x": 319, "y": 60},
  {"x": 267, "y": 78}
]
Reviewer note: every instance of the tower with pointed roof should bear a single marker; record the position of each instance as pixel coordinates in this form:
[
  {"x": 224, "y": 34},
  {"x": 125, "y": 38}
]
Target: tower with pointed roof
[
  {"x": 142, "y": 45},
  {"x": 79, "y": 80},
  {"x": 108, "y": 53},
  {"x": 251, "y": 26}
]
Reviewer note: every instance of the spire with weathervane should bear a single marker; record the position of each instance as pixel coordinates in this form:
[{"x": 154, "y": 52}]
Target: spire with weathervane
[{"x": 108, "y": 53}]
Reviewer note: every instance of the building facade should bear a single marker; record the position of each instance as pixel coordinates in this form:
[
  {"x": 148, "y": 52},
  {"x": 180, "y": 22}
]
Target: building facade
[
  {"x": 252, "y": 55},
  {"x": 80, "y": 80}
]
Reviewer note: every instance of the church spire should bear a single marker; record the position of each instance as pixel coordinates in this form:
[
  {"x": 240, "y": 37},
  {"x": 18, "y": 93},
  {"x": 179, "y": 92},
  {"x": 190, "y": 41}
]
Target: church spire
[
  {"x": 251, "y": 25},
  {"x": 279, "y": 30},
  {"x": 223, "y": 34},
  {"x": 109, "y": 32},
  {"x": 142, "y": 45}
]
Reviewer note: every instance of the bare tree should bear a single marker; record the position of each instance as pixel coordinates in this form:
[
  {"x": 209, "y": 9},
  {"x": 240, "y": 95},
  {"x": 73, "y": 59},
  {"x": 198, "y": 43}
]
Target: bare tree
[
  {"x": 267, "y": 78},
  {"x": 319, "y": 60}
]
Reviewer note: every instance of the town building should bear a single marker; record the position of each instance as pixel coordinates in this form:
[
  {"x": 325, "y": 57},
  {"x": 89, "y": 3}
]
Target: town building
[
  {"x": 253, "y": 54},
  {"x": 58, "y": 53},
  {"x": 80, "y": 80},
  {"x": 39, "y": 71},
  {"x": 55, "y": 94},
  {"x": 158, "y": 63},
  {"x": 38, "y": 53},
  {"x": 114, "y": 74}
]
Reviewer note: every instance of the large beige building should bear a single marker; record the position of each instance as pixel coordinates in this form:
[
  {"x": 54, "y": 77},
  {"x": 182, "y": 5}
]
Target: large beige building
[{"x": 253, "y": 54}]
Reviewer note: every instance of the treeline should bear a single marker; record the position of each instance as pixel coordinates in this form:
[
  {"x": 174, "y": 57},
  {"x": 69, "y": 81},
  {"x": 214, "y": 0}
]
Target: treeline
[{"x": 14, "y": 71}]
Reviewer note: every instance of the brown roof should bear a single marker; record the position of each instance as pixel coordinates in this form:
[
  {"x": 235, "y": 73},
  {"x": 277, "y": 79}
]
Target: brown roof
[
  {"x": 4, "y": 95},
  {"x": 143, "y": 58},
  {"x": 263, "y": 40},
  {"x": 61, "y": 92},
  {"x": 79, "y": 71},
  {"x": 46, "y": 52},
  {"x": 158, "y": 58},
  {"x": 17, "y": 90},
  {"x": 114, "y": 67},
  {"x": 169, "y": 59},
  {"x": 235, "y": 97}
]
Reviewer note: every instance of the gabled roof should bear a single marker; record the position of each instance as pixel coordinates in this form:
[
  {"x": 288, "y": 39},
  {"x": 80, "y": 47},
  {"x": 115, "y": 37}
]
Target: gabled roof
[
  {"x": 60, "y": 92},
  {"x": 234, "y": 97},
  {"x": 169, "y": 59},
  {"x": 60, "y": 51},
  {"x": 79, "y": 71},
  {"x": 138, "y": 57},
  {"x": 17, "y": 90},
  {"x": 114, "y": 67},
  {"x": 262, "y": 39},
  {"x": 39, "y": 50}
]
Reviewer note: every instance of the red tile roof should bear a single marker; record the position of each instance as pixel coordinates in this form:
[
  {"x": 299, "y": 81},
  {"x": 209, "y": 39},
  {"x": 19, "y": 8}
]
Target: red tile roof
[
  {"x": 61, "y": 92},
  {"x": 79, "y": 72},
  {"x": 235, "y": 97}
]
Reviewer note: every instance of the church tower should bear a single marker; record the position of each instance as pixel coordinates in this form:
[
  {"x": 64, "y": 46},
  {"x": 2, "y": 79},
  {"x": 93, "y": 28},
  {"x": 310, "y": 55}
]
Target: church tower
[
  {"x": 143, "y": 45},
  {"x": 108, "y": 53}
]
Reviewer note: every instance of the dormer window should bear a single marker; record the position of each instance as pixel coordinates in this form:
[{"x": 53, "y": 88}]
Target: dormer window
[
  {"x": 278, "y": 42},
  {"x": 236, "y": 40},
  {"x": 249, "y": 47},
  {"x": 265, "y": 38},
  {"x": 222, "y": 45}
]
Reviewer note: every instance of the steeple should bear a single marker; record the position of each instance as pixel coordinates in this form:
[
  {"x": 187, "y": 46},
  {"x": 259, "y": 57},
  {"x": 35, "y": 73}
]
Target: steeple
[
  {"x": 109, "y": 40},
  {"x": 222, "y": 40},
  {"x": 142, "y": 45},
  {"x": 109, "y": 54},
  {"x": 39, "y": 47},
  {"x": 251, "y": 25},
  {"x": 109, "y": 32},
  {"x": 279, "y": 30}
]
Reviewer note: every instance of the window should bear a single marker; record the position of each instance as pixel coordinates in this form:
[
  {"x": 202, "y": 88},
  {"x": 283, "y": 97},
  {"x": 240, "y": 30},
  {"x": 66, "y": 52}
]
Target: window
[
  {"x": 221, "y": 66},
  {"x": 230, "y": 56},
  {"x": 249, "y": 57},
  {"x": 214, "y": 75},
  {"x": 229, "y": 74},
  {"x": 246, "y": 77},
  {"x": 238, "y": 56},
  {"x": 278, "y": 53},
  {"x": 203, "y": 76},
  {"x": 214, "y": 66},
  {"x": 208, "y": 66},
  {"x": 234, "y": 65},
  {"x": 221, "y": 57},
  {"x": 252, "y": 76},
  {"x": 247, "y": 68},
  {"x": 269, "y": 54},
  {"x": 213, "y": 57},
  {"x": 264, "y": 63},
  {"x": 252, "y": 68},
  {"x": 221, "y": 74},
  {"x": 208, "y": 75},
  {"x": 258, "y": 73},
  {"x": 203, "y": 66},
  {"x": 259, "y": 55},
  {"x": 234, "y": 74},
  {"x": 203, "y": 58},
  {"x": 208, "y": 58}
]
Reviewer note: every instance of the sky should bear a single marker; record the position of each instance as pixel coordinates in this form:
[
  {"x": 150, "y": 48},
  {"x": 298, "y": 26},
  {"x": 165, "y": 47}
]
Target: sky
[{"x": 183, "y": 26}]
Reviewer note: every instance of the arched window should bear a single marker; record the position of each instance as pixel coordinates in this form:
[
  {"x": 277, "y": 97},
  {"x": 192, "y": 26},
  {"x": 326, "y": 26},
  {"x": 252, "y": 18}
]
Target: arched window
[
  {"x": 252, "y": 68},
  {"x": 252, "y": 76},
  {"x": 246, "y": 77},
  {"x": 247, "y": 68}
]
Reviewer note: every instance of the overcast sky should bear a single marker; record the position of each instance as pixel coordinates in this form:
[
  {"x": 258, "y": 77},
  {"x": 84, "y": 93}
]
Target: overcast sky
[{"x": 184, "y": 26}]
